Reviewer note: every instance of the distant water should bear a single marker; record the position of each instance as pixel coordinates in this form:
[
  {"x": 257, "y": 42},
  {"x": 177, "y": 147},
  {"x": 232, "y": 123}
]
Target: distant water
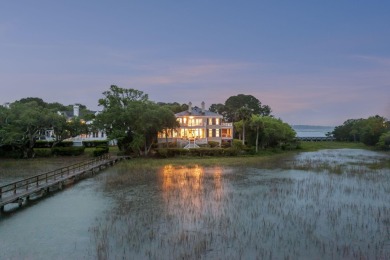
[{"x": 312, "y": 130}]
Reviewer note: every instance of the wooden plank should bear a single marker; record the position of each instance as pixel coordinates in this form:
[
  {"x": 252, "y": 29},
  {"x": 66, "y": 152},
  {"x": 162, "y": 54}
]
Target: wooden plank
[{"x": 32, "y": 185}]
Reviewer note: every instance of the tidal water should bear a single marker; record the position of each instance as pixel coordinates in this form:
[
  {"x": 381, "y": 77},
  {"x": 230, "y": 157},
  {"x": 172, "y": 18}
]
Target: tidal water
[
  {"x": 312, "y": 130},
  {"x": 331, "y": 204}
]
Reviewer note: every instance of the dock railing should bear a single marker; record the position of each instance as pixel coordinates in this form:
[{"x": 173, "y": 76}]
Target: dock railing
[{"x": 12, "y": 188}]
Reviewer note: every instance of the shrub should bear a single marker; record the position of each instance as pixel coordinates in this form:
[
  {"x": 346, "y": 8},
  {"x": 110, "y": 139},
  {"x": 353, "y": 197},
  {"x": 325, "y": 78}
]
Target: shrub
[
  {"x": 43, "y": 144},
  {"x": 43, "y": 152},
  {"x": 162, "y": 152},
  {"x": 100, "y": 150},
  {"x": 213, "y": 144},
  {"x": 172, "y": 152},
  {"x": 95, "y": 143},
  {"x": 249, "y": 150},
  {"x": 226, "y": 144},
  {"x": 10, "y": 151},
  {"x": 69, "y": 151},
  {"x": 384, "y": 141},
  {"x": 206, "y": 152},
  {"x": 65, "y": 144},
  {"x": 230, "y": 151},
  {"x": 237, "y": 144}
]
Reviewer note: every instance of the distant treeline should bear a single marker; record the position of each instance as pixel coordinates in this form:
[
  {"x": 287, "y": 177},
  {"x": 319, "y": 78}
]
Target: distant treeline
[{"x": 371, "y": 131}]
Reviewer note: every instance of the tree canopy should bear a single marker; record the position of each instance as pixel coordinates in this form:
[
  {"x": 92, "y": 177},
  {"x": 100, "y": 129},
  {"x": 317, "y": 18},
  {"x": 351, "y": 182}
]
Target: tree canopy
[
  {"x": 24, "y": 121},
  {"x": 234, "y": 103},
  {"x": 129, "y": 117},
  {"x": 367, "y": 131}
]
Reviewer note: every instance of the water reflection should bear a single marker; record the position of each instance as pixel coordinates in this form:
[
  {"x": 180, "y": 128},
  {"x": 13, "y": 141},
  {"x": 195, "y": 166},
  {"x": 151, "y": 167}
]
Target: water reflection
[
  {"x": 192, "y": 192},
  {"x": 214, "y": 213}
]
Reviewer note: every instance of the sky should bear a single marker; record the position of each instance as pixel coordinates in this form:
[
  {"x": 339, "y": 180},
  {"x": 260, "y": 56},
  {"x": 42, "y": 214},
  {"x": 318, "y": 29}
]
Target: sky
[{"x": 312, "y": 62}]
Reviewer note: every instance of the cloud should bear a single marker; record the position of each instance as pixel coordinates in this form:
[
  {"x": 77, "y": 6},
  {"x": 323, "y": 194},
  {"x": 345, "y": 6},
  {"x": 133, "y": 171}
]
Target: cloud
[
  {"x": 191, "y": 72},
  {"x": 384, "y": 61},
  {"x": 326, "y": 97}
]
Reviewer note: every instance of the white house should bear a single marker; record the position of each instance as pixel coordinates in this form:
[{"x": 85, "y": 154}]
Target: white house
[
  {"x": 198, "y": 126},
  {"x": 98, "y": 135}
]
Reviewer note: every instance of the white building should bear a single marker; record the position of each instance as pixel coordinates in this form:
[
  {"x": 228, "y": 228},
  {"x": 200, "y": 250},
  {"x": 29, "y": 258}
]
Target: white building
[{"x": 198, "y": 126}]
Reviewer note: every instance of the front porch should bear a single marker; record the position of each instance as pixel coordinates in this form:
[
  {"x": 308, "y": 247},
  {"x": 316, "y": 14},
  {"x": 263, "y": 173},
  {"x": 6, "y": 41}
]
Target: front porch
[{"x": 189, "y": 142}]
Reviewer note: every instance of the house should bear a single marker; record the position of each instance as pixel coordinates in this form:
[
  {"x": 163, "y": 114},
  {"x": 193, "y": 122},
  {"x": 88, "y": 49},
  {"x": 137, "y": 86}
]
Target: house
[
  {"x": 198, "y": 126},
  {"x": 96, "y": 135}
]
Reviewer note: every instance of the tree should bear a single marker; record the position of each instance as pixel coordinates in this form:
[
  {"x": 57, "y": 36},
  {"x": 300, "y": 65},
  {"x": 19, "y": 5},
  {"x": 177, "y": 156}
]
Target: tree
[
  {"x": 367, "y": 130},
  {"x": 22, "y": 126},
  {"x": 349, "y": 131},
  {"x": 373, "y": 127},
  {"x": 218, "y": 108},
  {"x": 168, "y": 122},
  {"x": 275, "y": 132},
  {"x": 151, "y": 120},
  {"x": 37, "y": 100},
  {"x": 257, "y": 123},
  {"x": 244, "y": 114},
  {"x": 174, "y": 107},
  {"x": 120, "y": 110},
  {"x": 130, "y": 118},
  {"x": 238, "y": 127},
  {"x": 384, "y": 141},
  {"x": 233, "y": 103}
]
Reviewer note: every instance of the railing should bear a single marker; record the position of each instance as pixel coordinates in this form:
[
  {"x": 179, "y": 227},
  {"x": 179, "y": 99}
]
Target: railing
[
  {"x": 203, "y": 124},
  {"x": 34, "y": 181},
  {"x": 316, "y": 139}
]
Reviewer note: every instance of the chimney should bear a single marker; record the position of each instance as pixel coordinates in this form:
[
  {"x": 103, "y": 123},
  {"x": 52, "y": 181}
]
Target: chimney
[
  {"x": 203, "y": 107},
  {"x": 76, "y": 111},
  {"x": 189, "y": 107}
]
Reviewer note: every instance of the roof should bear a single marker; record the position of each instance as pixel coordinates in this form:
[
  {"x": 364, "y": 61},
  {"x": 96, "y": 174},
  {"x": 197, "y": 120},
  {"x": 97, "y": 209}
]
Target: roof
[{"x": 196, "y": 111}]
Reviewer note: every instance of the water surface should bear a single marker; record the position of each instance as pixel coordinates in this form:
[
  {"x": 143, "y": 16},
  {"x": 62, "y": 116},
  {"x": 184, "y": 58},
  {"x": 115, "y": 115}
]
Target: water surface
[{"x": 331, "y": 204}]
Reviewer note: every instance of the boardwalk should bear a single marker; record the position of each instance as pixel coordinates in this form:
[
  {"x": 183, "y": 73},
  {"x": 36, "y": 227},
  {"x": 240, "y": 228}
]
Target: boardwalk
[
  {"x": 316, "y": 139},
  {"x": 38, "y": 185}
]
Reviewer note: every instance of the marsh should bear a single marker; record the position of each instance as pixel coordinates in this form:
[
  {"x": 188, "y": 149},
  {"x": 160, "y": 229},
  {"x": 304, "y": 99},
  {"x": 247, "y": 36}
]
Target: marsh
[{"x": 329, "y": 203}]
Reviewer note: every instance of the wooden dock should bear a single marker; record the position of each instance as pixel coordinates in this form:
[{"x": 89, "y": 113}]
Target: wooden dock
[{"x": 38, "y": 185}]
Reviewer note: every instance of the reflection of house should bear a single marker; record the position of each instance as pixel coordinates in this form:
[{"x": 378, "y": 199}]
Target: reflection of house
[{"x": 198, "y": 126}]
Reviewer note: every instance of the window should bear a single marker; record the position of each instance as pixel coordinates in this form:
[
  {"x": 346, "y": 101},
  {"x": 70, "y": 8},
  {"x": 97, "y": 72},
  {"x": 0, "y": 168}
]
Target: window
[
  {"x": 217, "y": 132},
  {"x": 210, "y": 132}
]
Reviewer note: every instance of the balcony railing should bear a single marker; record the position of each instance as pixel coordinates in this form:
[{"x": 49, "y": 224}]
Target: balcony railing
[{"x": 206, "y": 124}]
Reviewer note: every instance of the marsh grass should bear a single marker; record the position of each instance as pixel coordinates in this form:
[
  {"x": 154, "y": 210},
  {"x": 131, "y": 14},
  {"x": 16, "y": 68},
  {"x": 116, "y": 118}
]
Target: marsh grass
[
  {"x": 13, "y": 169},
  {"x": 190, "y": 209},
  {"x": 315, "y": 146}
]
